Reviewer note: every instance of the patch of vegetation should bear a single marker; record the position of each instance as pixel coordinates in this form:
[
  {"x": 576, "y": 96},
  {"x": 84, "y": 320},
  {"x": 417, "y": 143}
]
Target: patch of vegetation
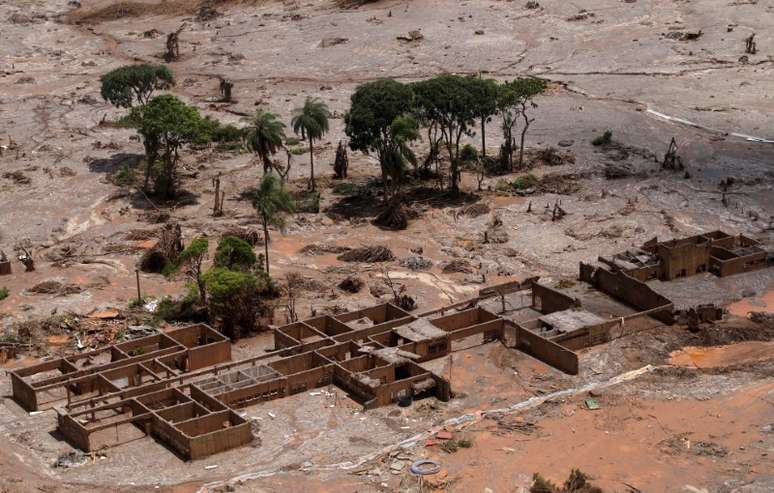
[
  {"x": 4, "y": 293},
  {"x": 345, "y": 188},
  {"x": 578, "y": 482},
  {"x": 136, "y": 302},
  {"x": 235, "y": 254},
  {"x": 292, "y": 141},
  {"x": 524, "y": 182},
  {"x": 468, "y": 153},
  {"x": 124, "y": 176},
  {"x": 136, "y": 352},
  {"x": 297, "y": 150},
  {"x": 451, "y": 446},
  {"x": 604, "y": 139}
]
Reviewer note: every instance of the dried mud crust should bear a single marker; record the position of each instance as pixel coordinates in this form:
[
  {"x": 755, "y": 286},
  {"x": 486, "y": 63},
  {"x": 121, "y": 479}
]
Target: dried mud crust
[{"x": 614, "y": 70}]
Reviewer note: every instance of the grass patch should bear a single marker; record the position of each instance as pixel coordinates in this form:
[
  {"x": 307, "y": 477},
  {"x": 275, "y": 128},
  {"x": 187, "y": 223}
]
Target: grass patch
[
  {"x": 345, "y": 188},
  {"x": 4, "y": 293},
  {"x": 297, "y": 151}
]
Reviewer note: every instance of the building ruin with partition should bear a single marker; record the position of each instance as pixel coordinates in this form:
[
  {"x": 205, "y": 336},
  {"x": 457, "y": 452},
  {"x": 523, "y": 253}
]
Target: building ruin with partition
[{"x": 182, "y": 388}]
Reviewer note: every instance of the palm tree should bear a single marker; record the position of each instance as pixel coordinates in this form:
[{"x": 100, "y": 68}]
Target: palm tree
[
  {"x": 265, "y": 136},
  {"x": 272, "y": 202},
  {"x": 311, "y": 122}
]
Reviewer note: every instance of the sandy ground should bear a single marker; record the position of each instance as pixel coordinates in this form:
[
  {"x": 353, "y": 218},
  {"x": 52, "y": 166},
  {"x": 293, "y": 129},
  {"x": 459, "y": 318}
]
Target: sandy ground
[{"x": 616, "y": 69}]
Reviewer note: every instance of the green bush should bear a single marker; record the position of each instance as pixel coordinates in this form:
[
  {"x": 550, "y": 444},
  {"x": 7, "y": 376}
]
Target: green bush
[
  {"x": 124, "y": 176},
  {"x": 234, "y": 297},
  {"x": 235, "y": 254},
  {"x": 524, "y": 182},
  {"x": 604, "y": 139},
  {"x": 4, "y": 293},
  {"x": 297, "y": 151},
  {"x": 468, "y": 153},
  {"x": 292, "y": 141}
]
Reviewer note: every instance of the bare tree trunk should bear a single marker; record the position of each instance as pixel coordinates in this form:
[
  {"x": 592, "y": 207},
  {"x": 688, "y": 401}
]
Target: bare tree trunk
[{"x": 523, "y": 135}]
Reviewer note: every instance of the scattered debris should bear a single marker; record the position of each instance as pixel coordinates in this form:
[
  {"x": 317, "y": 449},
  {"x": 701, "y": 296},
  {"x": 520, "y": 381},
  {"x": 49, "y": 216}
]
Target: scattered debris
[
  {"x": 416, "y": 263},
  {"x": 332, "y": 41},
  {"x": 412, "y": 36},
  {"x": 323, "y": 249},
  {"x": 351, "y": 284},
  {"x": 368, "y": 254},
  {"x": 458, "y": 265}
]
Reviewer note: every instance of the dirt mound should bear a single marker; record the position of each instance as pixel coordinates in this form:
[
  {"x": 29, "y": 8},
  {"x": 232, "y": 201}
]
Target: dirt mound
[
  {"x": 368, "y": 254},
  {"x": 55, "y": 287}
]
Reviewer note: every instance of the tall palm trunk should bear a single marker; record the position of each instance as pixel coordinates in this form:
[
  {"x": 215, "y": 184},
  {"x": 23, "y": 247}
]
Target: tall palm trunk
[
  {"x": 266, "y": 240},
  {"x": 311, "y": 161}
]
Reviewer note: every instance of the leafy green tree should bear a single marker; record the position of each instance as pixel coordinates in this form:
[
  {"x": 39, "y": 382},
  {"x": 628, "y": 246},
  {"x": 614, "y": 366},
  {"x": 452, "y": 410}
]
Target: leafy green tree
[
  {"x": 126, "y": 85},
  {"x": 526, "y": 88},
  {"x": 169, "y": 124},
  {"x": 484, "y": 94},
  {"x": 509, "y": 108},
  {"x": 233, "y": 297},
  {"x": 379, "y": 121},
  {"x": 448, "y": 102},
  {"x": 265, "y": 136},
  {"x": 310, "y": 122},
  {"x": 192, "y": 258},
  {"x": 235, "y": 254},
  {"x": 272, "y": 202}
]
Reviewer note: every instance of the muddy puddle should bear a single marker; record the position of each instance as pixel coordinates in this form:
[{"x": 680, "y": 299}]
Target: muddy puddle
[{"x": 720, "y": 356}]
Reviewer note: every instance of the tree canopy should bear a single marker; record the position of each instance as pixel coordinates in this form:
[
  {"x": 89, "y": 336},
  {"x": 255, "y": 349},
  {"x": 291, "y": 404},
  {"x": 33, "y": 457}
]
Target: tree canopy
[
  {"x": 125, "y": 86},
  {"x": 170, "y": 124},
  {"x": 235, "y": 254},
  {"x": 310, "y": 121},
  {"x": 449, "y": 102},
  {"x": 380, "y": 121},
  {"x": 265, "y": 136}
]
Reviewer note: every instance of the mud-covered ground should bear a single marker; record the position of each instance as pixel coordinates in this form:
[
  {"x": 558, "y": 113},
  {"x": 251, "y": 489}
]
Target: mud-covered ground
[{"x": 615, "y": 67}]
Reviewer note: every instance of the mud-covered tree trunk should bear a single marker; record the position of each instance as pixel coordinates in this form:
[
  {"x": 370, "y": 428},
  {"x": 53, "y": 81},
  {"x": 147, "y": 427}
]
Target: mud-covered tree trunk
[
  {"x": 266, "y": 240},
  {"x": 311, "y": 162}
]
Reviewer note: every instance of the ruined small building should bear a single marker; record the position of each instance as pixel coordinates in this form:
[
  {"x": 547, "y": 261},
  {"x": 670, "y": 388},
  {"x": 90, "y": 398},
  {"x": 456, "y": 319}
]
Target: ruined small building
[{"x": 716, "y": 252}]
